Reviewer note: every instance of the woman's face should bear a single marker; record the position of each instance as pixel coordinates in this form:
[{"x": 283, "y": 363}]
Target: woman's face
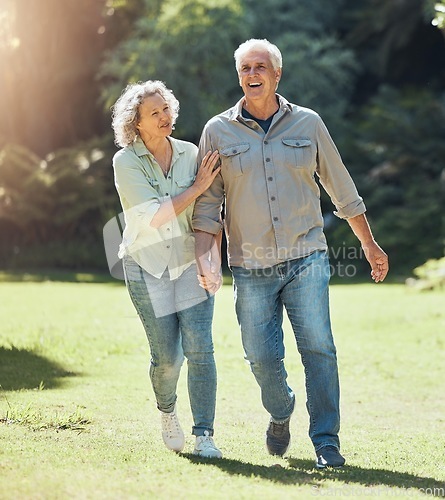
[{"x": 155, "y": 119}]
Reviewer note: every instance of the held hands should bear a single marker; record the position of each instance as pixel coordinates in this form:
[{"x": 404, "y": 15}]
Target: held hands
[
  {"x": 209, "y": 266},
  {"x": 207, "y": 171},
  {"x": 378, "y": 261},
  {"x": 210, "y": 277}
]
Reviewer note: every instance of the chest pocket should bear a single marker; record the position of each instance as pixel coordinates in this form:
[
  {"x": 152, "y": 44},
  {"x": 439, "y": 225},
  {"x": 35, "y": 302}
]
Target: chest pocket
[
  {"x": 236, "y": 158},
  {"x": 154, "y": 184},
  {"x": 298, "y": 152}
]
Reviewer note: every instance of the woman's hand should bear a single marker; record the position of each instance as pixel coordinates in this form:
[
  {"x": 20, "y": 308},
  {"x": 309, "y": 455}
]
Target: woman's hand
[
  {"x": 170, "y": 208},
  {"x": 207, "y": 171}
]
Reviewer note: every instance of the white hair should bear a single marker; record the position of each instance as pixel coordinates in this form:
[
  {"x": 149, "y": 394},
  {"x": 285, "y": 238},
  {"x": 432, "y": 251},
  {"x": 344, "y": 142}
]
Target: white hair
[
  {"x": 255, "y": 43},
  {"x": 126, "y": 109}
]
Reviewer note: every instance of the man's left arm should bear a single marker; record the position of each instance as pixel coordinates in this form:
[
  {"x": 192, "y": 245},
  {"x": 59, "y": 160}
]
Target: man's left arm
[
  {"x": 339, "y": 185},
  {"x": 377, "y": 258}
]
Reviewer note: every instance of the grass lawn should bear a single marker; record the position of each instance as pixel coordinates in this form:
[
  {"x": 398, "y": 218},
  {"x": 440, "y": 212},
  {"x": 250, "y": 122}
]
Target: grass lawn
[{"x": 78, "y": 416}]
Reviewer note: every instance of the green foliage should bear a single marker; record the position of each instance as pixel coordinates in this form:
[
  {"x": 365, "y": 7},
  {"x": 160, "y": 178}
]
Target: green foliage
[
  {"x": 316, "y": 65},
  {"x": 182, "y": 44},
  {"x": 435, "y": 10},
  {"x": 400, "y": 163},
  {"x": 315, "y": 69},
  {"x": 430, "y": 275},
  {"x": 395, "y": 42},
  {"x": 369, "y": 61},
  {"x": 54, "y": 209}
]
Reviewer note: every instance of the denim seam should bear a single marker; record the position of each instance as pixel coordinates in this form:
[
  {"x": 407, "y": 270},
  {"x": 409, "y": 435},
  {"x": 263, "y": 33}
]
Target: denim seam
[
  {"x": 280, "y": 366},
  {"x": 152, "y": 368},
  {"x": 196, "y": 428}
]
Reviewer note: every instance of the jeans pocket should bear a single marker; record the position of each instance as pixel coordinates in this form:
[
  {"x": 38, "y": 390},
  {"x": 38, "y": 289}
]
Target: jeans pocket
[{"x": 132, "y": 270}]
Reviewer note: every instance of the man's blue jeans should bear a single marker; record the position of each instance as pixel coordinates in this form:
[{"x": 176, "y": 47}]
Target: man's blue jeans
[
  {"x": 173, "y": 331},
  {"x": 301, "y": 286}
]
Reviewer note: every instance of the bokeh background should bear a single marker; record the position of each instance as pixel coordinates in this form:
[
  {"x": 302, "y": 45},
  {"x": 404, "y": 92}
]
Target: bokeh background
[{"x": 374, "y": 70}]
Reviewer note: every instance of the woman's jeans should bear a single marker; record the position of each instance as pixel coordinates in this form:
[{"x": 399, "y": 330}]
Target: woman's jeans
[
  {"x": 301, "y": 286},
  {"x": 177, "y": 317}
]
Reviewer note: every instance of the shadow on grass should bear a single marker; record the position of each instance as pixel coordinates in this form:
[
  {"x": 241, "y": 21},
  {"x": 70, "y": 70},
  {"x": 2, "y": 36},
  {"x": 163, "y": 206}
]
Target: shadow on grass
[
  {"x": 303, "y": 472},
  {"x": 24, "y": 369}
]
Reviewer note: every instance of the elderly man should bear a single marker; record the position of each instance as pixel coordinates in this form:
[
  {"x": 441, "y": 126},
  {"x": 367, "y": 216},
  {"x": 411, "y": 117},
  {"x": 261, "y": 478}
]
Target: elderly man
[{"x": 270, "y": 151}]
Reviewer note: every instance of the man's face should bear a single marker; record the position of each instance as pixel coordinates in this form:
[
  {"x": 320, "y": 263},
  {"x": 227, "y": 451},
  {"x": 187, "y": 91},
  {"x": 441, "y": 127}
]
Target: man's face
[{"x": 257, "y": 77}]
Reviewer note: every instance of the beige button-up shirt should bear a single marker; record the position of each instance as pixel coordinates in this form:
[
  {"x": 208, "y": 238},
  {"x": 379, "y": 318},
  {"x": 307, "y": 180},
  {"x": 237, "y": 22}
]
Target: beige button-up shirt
[
  {"x": 267, "y": 180},
  {"x": 142, "y": 187}
]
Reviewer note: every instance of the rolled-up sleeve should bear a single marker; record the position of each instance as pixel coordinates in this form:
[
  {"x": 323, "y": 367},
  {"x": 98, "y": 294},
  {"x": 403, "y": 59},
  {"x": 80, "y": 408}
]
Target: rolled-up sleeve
[
  {"x": 140, "y": 199},
  {"x": 137, "y": 195},
  {"x": 335, "y": 178},
  {"x": 208, "y": 207}
]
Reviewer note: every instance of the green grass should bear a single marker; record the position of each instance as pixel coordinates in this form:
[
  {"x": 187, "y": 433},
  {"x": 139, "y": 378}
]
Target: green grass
[{"x": 78, "y": 417}]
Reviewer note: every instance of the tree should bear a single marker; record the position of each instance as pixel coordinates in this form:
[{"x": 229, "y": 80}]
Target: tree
[
  {"x": 182, "y": 44},
  {"x": 396, "y": 43},
  {"x": 318, "y": 70},
  {"x": 49, "y": 56},
  {"x": 400, "y": 147},
  {"x": 58, "y": 203}
]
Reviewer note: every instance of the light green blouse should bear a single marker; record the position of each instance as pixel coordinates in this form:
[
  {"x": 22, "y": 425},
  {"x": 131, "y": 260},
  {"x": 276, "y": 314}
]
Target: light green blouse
[{"x": 142, "y": 187}]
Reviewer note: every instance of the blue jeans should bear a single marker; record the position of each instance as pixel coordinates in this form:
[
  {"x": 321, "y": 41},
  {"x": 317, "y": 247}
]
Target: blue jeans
[
  {"x": 174, "y": 332},
  {"x": 301, "y": 286}
]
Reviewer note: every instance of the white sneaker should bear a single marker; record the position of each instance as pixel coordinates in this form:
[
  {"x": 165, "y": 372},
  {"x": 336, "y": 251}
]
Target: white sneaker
[
  {"x": 171, "y": 431},
  {"x": 205, "y": 447}
]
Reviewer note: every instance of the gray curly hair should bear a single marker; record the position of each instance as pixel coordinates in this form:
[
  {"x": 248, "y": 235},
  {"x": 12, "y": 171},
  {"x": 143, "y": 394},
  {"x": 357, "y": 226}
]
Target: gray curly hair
[
  {"x": 255, "y": 43},
  {"x": 125, "y": 112}
]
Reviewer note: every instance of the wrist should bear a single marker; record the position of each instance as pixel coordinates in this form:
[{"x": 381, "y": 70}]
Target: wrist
[
  {"x": 194, "y": 190},
  {"x": 368, "y": 241}
]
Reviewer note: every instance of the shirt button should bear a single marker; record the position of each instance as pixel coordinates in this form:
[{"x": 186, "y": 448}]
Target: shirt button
[
  {"x": 234, "y": 151},
  {"x": 273, "y": 198},
  {"x": 169, "y": 177},
  {"x": 266, "y": 142},
  {"x": 166, "y": 194},
  {"x": 270, "y": 178},
  {"x": 275, "y": 218},
  {"x": 168, "y": 246},
  {"x": 267, "y": 159}
]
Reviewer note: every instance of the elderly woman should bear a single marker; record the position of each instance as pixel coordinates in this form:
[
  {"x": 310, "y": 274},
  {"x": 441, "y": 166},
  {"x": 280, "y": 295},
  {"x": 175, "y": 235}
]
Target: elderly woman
[{"x": 158, "y": 182}]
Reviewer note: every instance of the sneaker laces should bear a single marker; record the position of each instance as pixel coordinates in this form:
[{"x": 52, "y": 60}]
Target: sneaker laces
[
  {"x": 278, "y": 429},
  {"x": 170, "y": 424},
  {"x": 206, "y": 441}
]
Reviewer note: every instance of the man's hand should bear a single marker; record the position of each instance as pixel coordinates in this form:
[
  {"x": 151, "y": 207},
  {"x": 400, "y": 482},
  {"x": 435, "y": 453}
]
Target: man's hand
[
  {"x": 376, "y": 257},
  {"x": 210, "y": 276},
  {"x": 378, "y": 261},
  {"x": 208, "y": 259}
]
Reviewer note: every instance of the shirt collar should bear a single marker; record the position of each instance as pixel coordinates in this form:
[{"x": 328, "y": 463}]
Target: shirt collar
[
  {"x": 141, "y": 149},
  {"x": 236, "y": 111}
]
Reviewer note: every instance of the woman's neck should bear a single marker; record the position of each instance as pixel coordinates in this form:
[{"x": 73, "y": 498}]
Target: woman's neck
[{"x": 161, "y": 149}]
